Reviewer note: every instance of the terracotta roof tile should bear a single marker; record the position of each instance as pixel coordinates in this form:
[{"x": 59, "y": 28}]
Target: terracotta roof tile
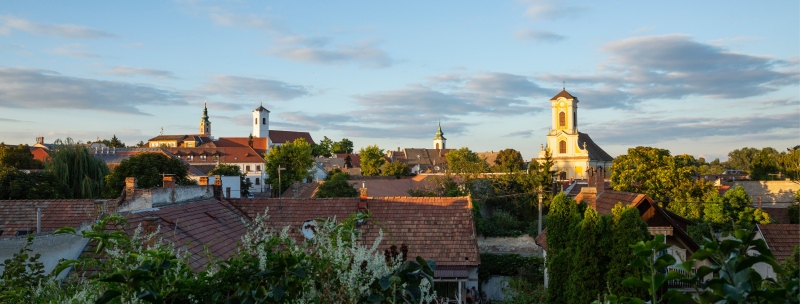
[
  {"x": 439, "y": 229},
  {"x": 564, "y": 94},
  {"x": 781, "y": 238},
  {"x": 17, "y": 215},
  {"x": 778, "y": 215},
  {"x": 280, "y": 137}
]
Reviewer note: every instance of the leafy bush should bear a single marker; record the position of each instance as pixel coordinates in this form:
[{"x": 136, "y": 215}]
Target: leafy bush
[{"x": 502, "y": 224}]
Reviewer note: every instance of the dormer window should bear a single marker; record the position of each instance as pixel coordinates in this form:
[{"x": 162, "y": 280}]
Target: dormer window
[
  {"x": 189, "y": 157},
  {"x": 202, "y": 157}
]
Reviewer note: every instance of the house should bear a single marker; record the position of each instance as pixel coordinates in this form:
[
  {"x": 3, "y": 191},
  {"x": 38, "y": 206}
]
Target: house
[
  {"x": 436, "y": 228},
  {"x": 572, "y": 152},
  {"x": 423, "y": 160},
  {"x": 781, "y": 239},
  {"x": 770, "y": 193}
]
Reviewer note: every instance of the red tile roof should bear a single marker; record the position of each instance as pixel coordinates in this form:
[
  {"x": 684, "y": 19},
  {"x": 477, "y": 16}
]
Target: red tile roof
[
  {"x": 355, "y": 159},
  {"x": 229, "y": 155},
  {"x": 280, "y": 137},
  {"x": 40, "y": 154},
  {"x": 391, "y": 186},
  {"x": 16, "y": 215},
  {"x": 564, "y": 94},
  {"x": 781, "y": 238},
  {"x": 196, "y": 227},
  {"x": 259, "y": 143},
  {"x": 778, "y": 215},
  {"x": 435, "y": 228}
]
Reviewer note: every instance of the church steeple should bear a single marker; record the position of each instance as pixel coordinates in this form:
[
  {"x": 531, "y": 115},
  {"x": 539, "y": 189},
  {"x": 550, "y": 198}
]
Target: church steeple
[
  {"x": 205, "y": 124},
  {"x": 439, "y": 141}
]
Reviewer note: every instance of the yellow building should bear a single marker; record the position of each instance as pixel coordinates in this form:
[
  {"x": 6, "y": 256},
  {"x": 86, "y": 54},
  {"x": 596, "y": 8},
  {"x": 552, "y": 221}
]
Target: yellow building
[{"x": 572, "y": 151}]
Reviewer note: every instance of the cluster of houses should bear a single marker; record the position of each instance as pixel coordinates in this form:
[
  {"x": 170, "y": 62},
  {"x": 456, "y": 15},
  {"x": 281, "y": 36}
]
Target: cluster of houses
[{"x": 206, "y": 217}]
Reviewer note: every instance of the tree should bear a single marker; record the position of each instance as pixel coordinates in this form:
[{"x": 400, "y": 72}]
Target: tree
[
  {"x": 627, "y": 228},
  {"x": 149, "y": 170},
  {"x": 342, "y": 146},
  {"x": 337, "y": 186},
  {"x": 233, "y": 170},
  {"x": 764, "y": 164},
  {"x": 587, "y": 279},
  {"x": 73, "y": 165},
  {"x": 140, "y": 144},
  {"x": 371, "y": 160},
  {"x": 295, "y": 160},
  {"x": 323, "y": 148},
  {"x": 741, "y": 159},
  {"x": 19, "y": 157},
  {"x": 562, "y": 219},
  {"x": 465, "y": 162},
  {"x": 509, "y": 160},
  {"x": 395, "y": 168},
  {"x": 18, "y": 185},
  {"x": 654, "y": 172},
  {"x": 790, "y": 163}
]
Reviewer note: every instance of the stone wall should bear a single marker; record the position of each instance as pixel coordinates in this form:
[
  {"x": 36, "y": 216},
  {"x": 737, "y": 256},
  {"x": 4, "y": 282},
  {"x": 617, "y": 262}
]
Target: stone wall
[{"x": 523, "y": 245}]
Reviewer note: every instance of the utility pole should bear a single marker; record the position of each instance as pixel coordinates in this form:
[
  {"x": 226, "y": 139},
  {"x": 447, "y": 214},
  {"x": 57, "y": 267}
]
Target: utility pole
[{"x": 540, "y": 210}]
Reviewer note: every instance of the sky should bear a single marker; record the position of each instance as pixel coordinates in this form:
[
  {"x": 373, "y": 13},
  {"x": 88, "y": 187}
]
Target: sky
[{"x": 694, "y": 77}]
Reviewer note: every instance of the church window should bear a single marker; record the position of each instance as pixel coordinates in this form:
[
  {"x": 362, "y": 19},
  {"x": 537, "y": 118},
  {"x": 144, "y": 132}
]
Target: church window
[
  {"x": 437, "y": 146},
  {"x": 562, "y": 119},
  {"x": 562, "y": 147}
]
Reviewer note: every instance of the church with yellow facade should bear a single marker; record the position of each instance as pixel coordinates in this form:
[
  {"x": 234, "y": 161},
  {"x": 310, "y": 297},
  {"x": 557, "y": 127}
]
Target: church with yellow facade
[{"x": 572, "y": 151}]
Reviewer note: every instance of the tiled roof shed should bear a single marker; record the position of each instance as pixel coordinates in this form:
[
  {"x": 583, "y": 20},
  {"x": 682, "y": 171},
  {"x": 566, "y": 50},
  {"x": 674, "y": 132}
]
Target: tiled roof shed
[
  {"x": 212, "y": 224},
  {"x": 781, "y": 238},
  {"x": 20, "y": 215},
  {"x": 434, "y": 228}
]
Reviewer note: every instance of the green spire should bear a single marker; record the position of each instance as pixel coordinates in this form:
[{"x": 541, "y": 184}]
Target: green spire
[
  {"x": 205, "y": 113},
  {"x": 439, "y": 132}
]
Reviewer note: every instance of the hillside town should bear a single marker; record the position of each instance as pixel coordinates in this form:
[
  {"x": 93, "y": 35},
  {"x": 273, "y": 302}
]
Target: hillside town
[{"x": 497, "y": 227}]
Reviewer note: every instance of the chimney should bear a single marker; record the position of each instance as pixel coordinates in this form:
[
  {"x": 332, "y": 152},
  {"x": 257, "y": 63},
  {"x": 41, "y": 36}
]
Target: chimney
[
  {"x": 168, "y": 181},
  {"x": 600, "y": 181},
  {"x": 362, "y": 198},
  {"x": 99, "y": 208},
  {"x": 218, "y": 187},
  {"x": 149, "y": 226},
  {"x": 40, "y": 140},
  {"x": 130, "y": 186},
  {"x": 589, "y": 193},
  {"x": 203, "y": 181}
]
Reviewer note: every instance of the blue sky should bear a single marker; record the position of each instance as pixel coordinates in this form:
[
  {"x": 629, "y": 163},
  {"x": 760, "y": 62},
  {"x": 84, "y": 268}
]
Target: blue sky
[{"x": 701, "y": 78}]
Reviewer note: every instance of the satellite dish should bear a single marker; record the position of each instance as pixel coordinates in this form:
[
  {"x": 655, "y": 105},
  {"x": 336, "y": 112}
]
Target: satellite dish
[{"x": 309, "y": 228}]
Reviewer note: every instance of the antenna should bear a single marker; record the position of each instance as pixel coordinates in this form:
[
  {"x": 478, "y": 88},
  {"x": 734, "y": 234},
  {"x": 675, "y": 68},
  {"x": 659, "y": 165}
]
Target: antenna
[{"x": 564, "y": 85}]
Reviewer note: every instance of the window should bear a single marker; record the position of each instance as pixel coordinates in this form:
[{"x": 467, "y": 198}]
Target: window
[
  {"x": 258, "y": 167},
  {"x": 264, "y": 121},
  {"x": 258, "y": 181},
  {"x": 562, "y": 147},
  {"x": 216, "y": 157},
  {"x": 247, "y": 168},
  {"x": 256, "y": 122},
  {"x": 248, "y": 179},
  {"x": 562, "y": 119},
  {"x": 202, "y": 157},
  {"x": 189, "y": 157}
]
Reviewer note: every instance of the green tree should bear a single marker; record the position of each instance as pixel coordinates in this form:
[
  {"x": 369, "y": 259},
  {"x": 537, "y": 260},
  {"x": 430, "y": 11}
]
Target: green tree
[
  {"x": 233, "y": 170},
  {"x": 509, "y": 160},
  {"x": 464, "y": 162},
  {"x": 337, "y": 186},
  {"x": 395, "y": 168},
  {"x": 141, "y": 144},
  {"x": 371, "y": 160},
  {"x": 587, "y": 279},
  {"x": 562, "y": 220},
  {"x": 294, "y": 158},
  {"x": 149, "y": 170},
  {"x": 73, "y": 165},
  {"x": 18, "y": 185},
  {"x": 741, "y": 159},
  {"x": 764, "y": 164},
  {"x": 19, "y": 157},
  {"x": 323, "y": 148},
  {"x": 790, "y": 162},
  {"x": 654, "y": 172},
  {"x": 627, "y": 228},
  {"x": 342, "y": 146}
]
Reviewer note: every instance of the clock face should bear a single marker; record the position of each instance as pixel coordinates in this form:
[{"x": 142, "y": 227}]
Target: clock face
[{"x": 561, "y": 104}]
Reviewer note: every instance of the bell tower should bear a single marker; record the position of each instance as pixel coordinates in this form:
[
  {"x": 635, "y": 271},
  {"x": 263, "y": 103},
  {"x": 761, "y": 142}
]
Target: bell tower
[
  {"x": 205, "y": 124},
  {"x": 564, "y": 113},
  {"x": 439, "y": 141},
  {"x": 261, "y": 122}
]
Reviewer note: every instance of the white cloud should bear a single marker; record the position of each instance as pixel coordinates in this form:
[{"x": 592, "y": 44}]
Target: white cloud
[
  {"x": 9, "y": 24},
  {"x": 130, "y": 72},
  {"x": 539, "y": 36}
]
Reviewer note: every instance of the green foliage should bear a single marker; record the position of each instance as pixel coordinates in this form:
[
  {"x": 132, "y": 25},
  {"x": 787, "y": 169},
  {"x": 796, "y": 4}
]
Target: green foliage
[
  {"x": 764, "y": 164},
  {"x": 233, "y": 170},
  {"x": 337, "y": 186},
  {"x": 502, "y": 224},
  {"x": 790, "y": 267},
  {"x": 18, "y": 185},
  {"x": 113, "y": 143},
  {"x": 439, "y": 186},
  {"x": 587, "y": 280},
  {"x": 342, "y": 146},
  {"x": 561, "y": 230},
  {"x": 627, "y": 227},
  {"x": 509, "y": 160},
  {"x": 794, "y": 213},
  {"x": 521, "y": 291},
  {"x": 83, "y": 174},
  {"x": 526, "y": 275},
  {"x": 655, "y": 172},
  {"x": 371, "y": 160},
  {"x": 790, "y": 162},
  {"x": 19, "y": 157},
  {"x": 296, "y": 160},
  {"x": 323, "y": 148},
  {"x": 464, "y": 162},
  {"x": 396, "y": 169},
  {"x": 148, "y": 169},
  {"x": 20, "y": 272}
]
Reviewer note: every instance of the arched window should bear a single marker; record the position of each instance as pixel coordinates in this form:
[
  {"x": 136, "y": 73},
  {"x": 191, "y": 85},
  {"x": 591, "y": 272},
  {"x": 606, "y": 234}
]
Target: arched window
[
  {"x": 562, "y": 119},
  {"x": 256, "y": 121},
  {"x": 437, "y": 146},
  {"x": 562, "y": 147}
]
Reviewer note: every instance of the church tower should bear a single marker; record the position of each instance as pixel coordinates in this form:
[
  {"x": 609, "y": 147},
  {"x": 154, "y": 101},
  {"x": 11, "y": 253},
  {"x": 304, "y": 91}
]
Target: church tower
[
  {"x": 205, "y": 124},
  {"x": 261, "y": 122},
  {"x": 439, "y": 141}
]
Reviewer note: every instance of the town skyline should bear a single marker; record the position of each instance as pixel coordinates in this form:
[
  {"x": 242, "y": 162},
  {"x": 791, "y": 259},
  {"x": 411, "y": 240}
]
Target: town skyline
[{"x": 694, "y": 78}]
